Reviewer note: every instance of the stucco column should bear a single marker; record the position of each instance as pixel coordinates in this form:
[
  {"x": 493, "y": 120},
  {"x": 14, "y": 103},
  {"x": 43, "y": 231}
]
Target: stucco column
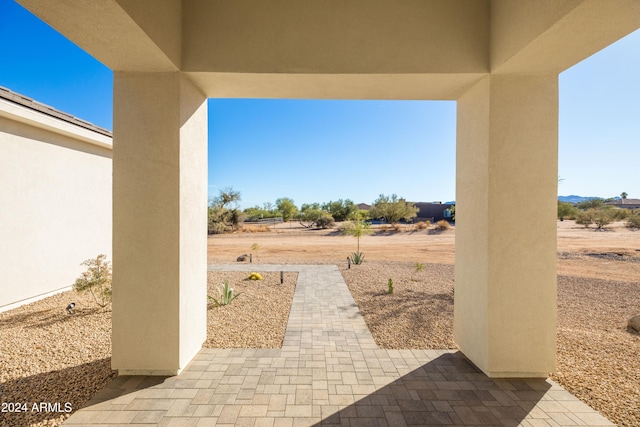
[
  {"x": 507, "y": 178},
  {"x": 159, "y": 222}
]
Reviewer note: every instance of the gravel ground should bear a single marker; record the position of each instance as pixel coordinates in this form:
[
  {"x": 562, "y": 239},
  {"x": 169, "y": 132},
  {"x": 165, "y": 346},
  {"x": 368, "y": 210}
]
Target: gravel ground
[
  {"x": 419, "y": 313},
  {"x": 598, "y": 359},
  {"x": 47, "y": 355},
  {"x": 257, "y": 318}
]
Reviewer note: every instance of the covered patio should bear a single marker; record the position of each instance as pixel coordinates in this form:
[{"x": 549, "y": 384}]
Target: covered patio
[{"x": 498, "y": 59}]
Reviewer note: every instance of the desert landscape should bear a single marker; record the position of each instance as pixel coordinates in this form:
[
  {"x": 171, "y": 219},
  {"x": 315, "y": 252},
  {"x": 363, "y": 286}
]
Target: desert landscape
[
  {"x": 48, "y": 355},
  {"x": 598, "y": 291}
]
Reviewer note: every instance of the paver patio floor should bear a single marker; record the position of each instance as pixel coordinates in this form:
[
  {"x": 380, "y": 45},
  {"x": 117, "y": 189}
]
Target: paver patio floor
[{"x": 329, "y": 371}]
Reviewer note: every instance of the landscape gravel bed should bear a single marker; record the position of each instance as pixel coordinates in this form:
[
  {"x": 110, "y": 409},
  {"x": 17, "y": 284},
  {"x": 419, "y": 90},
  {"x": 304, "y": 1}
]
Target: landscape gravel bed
[
  {"x": 598, "y": 358},
  {"x": 257, "y": 318},
  {"x": 48, "y": 356},
  {"x": 419, "y": 313}
]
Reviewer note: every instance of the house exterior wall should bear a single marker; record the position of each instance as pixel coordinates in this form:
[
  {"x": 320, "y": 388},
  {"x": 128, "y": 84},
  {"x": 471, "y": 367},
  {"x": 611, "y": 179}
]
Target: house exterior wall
[
  {"x": 432, "y": 211},
  {"x": 55, "y": 198}
]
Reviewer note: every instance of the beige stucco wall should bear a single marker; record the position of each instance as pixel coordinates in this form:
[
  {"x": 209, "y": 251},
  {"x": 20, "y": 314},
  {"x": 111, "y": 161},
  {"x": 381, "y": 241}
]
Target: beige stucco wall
[
  {"x": 507, "y": 169},
  {"x": 160, "y": 223},
  {"x": 55, "y": 197}
]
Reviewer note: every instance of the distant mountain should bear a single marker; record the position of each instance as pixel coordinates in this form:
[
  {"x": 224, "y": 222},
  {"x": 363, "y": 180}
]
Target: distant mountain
[{"x": 575, "y": 199}]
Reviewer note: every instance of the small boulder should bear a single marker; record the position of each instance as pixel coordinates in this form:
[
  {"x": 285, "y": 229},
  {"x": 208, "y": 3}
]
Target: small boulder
[
  {"x": 634, "y": 323},
  {"x": 243, "y": 258}
]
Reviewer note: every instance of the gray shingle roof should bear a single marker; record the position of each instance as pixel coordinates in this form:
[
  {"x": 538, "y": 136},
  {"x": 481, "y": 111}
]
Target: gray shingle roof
[
  {"x": 27, "y": 102},
  {"x": 620, "y": 202}
]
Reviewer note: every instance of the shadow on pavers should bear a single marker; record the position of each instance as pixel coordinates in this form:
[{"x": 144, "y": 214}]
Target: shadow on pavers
[{"x": 450, "y": 391}]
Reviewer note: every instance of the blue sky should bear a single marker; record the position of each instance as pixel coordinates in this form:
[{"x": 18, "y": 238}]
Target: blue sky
[{"x": 326, "y": 150}]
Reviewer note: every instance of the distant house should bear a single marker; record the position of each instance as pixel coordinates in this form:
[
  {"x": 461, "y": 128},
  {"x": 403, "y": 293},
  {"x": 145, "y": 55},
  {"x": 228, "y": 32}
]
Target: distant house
[
  {"x": 434, "y": 211},
  {"x": 625, "y": 203},
  {"x": 55, "y": 176}
]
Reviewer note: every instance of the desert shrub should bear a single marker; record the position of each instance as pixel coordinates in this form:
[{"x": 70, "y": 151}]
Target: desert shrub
[
  {"x": 585, "y": 218},
  {"x": 602, "y": 218},
  {"x": 442, "y": 225},
  {"x": 96, "y": 279},
  {"x": 255, "y": 247},
  {"x": 423, "y": 225},
  {"x": 390, "y": 286},
  {"x": 255, "y": 228},
  {"x": 217, "y": 227},
  {"x": 225, "y": 295},
  {"x": 325, "y": 221},
  {"x": 419, "y": 266},
  {"x": 566, "y": 211},
  {"x": 619, "y": 214},
  {"x": 633, "y": 221},
  {"x": 255, "y": 276}
]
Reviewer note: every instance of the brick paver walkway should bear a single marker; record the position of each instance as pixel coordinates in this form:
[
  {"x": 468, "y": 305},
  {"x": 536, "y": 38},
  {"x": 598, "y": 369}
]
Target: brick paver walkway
[{"x": 329, "y": 371}]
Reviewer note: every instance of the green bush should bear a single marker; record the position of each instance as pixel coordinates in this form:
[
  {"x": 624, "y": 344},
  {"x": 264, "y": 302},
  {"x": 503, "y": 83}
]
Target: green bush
[
  {"x": 325, "y": 221},
  {"x": 585, "y": 217},
  {"x": 602, "y": 218},
  {"x": 97, "y": 280},
  {"x": 633, "y": 221},
  {"x": 620, "y": 214},
  {"x": 566, "y": 211},
  {"x": 217, "y": 227}
]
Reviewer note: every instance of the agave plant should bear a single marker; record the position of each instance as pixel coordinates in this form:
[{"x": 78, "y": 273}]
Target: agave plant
[
  {"x": 357, "y": 258},
  {"x": 226, "y": 295}
]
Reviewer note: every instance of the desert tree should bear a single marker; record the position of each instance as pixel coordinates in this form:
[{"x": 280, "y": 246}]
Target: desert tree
[
  {"x": 224, "y": 211},
  {"x": 287, "y": 208},
  {"x": 312, "y": 216},
  {"x": 603, "y": 217},
  {"x": 340, "y": 210},
  {"x": 357, "y": 227},
  {"x": 393, "y": 209},
  {"x": 594, "y": 203},
  {"x": 623, "y": 195}
]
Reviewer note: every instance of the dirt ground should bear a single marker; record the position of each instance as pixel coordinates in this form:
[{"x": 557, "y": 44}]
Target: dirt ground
[{"x": 581, "y": 252}]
